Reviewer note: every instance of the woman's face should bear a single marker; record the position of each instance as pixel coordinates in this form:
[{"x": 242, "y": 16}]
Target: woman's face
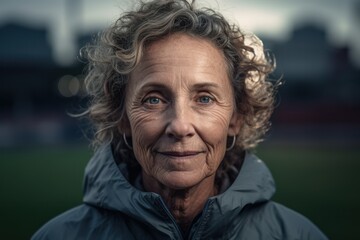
[{"x": 180, "y": 106}]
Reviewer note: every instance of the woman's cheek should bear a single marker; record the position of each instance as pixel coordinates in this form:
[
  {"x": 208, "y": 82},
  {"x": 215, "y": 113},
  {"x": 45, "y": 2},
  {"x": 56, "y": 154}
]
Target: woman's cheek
[
  {"x": 141, "y": 120},
  {"x": 143, "y": 133},
  {"x": 218, "y": 121}
]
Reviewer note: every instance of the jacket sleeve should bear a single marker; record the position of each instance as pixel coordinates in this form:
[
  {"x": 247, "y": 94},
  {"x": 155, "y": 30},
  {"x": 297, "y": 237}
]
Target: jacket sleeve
[
  {"x": 295, "y": 225},
  {"x": 64, "y": 226}
]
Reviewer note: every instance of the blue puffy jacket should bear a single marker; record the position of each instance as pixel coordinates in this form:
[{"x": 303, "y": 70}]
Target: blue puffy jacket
[{"x": 114, "y": 209}]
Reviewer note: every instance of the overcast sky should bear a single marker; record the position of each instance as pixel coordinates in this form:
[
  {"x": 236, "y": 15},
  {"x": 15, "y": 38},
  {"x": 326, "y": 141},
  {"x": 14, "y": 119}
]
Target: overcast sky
[{"x": 270, "y": 18}]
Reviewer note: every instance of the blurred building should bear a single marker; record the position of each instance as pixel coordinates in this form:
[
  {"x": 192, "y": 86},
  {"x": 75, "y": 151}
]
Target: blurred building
[
  {"x": 26, "y": 65},
  {"x": 32, "y": 109},
  {"x": 319, "y": 99},
  {"x": 314, "y": 70},
  {"x": 23, "y": 45},
  {"x": 307, "y": 56}
]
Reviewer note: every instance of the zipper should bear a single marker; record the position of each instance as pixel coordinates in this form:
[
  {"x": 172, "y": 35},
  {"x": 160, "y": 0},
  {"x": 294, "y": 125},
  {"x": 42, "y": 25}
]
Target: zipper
[
  {"x": 179, "y": 232},
  {"x": 201, "y": 220}
]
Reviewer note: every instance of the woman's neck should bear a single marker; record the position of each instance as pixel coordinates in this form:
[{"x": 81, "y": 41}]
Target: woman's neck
[{"x": 184, "y": 204}]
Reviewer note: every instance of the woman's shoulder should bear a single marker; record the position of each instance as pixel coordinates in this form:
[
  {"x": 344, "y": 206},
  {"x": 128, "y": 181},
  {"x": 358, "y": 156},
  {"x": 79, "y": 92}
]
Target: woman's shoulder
[
  {"x": 283, "y": 221},
  {"x": 77, "y": 223}
]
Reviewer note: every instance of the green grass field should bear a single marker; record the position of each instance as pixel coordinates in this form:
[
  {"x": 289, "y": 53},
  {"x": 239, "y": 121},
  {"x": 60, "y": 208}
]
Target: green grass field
[{"x": 38, "y": 183}]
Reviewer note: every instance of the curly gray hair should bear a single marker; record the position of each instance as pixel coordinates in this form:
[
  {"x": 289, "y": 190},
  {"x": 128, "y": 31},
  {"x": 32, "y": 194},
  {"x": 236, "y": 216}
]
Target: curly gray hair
[{"x": 120, "y": 48}]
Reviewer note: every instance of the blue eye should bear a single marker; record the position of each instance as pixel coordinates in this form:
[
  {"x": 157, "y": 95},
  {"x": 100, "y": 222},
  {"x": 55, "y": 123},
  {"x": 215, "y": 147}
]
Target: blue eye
[
  {"x": 152, "y": 100},
  {"x": 205, "y": 99}
]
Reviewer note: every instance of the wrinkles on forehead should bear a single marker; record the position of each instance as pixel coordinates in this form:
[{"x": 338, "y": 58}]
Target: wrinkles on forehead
[
  {"x": 175, "y": 40},
  {"x": 162, "y": 60}
]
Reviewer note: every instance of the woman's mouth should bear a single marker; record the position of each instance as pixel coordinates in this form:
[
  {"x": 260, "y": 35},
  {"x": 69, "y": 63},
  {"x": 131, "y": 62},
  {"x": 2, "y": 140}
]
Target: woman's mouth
[{"x": 179, "y": 154}]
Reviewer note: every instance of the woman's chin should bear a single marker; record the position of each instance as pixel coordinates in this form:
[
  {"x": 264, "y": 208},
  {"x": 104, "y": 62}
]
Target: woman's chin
[{"x": 181, "y": 180}]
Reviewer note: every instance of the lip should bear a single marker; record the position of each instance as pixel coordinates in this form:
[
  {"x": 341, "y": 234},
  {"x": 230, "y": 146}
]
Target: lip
[{"x": 181, "y": 154}]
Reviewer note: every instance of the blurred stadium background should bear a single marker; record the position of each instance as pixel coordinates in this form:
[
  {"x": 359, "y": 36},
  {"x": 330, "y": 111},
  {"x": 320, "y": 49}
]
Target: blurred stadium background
[{"x": 312, "y": 148}]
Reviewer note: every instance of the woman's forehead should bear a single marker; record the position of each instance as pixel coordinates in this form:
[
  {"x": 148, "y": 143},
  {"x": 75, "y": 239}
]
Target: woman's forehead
[
  {"x": 184, "y": 49},
  {"x": 181, "y": 60}
]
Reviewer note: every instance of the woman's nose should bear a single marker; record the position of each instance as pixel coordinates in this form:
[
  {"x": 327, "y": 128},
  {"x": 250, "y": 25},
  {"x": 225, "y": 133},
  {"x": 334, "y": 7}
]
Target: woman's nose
[{"x": 180, "y": 123}]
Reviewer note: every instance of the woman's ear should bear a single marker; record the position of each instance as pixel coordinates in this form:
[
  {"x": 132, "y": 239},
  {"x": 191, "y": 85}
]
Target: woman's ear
[{"x": 235, "y": 124}]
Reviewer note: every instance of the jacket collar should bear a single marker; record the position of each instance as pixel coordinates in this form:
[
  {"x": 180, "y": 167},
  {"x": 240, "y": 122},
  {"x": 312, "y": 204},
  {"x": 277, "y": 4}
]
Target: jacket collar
[
  {"x": 106, "y": 187},
  {"x": 253, "y": 185}
]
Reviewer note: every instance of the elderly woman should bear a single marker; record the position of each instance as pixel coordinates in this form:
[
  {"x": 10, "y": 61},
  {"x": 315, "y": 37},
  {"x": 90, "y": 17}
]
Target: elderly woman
[{"x": 178, "y": 98}]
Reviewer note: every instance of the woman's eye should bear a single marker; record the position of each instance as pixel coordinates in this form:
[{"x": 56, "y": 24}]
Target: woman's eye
[
  {"x": 152, "y": 100},
  {"x": 205, "y": 99}
]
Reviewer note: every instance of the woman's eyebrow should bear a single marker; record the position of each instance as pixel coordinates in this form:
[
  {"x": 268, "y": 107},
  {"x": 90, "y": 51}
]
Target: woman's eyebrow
[
  {"x": 163, "y": 87},
  {"x": 206, "y": 85},
  {"x": 153, "y": 86}
]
